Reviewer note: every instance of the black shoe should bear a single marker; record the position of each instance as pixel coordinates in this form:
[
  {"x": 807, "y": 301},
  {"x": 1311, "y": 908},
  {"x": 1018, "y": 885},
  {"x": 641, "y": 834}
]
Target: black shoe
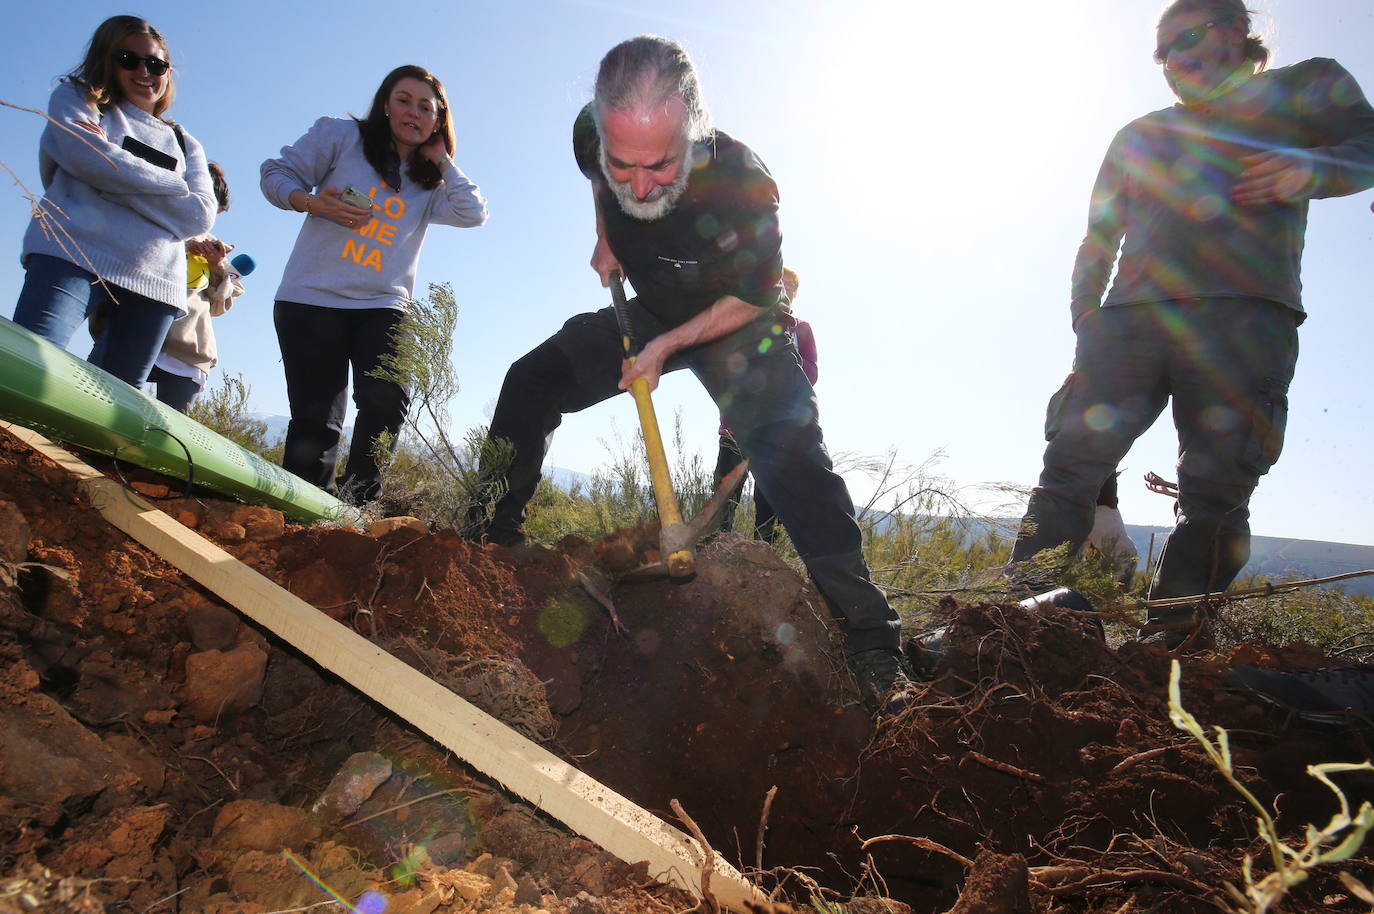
[
  {"x": 500, "y": 536},
  {"x": 1332, "y": 695},
  {"x": 514, "y": 537},
  {"x": 883, "y": 685}
]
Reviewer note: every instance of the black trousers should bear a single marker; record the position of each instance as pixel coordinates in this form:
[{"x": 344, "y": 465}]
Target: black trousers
[
  {"x": 765, "y": 518},
  {"x": 755, "y": 378},
  {"x": 318, "y": 347}
]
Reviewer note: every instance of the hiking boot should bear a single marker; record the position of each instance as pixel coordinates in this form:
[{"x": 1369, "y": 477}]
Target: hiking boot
[
  {"x": 1327, "y": 696},
  {"x": 502, "y": 537},
  {"x": 480, "y": 533},
  {"x": 883, "y": 685}
]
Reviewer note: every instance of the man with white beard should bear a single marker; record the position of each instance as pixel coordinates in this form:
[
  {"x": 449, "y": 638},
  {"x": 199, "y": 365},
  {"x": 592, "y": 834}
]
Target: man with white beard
[{"x": 689, "y": 216}]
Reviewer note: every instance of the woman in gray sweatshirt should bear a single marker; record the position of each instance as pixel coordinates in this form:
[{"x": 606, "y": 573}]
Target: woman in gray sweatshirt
[
  {"x": 123, "y": 189},
  {"x": 352, "y": 270}
]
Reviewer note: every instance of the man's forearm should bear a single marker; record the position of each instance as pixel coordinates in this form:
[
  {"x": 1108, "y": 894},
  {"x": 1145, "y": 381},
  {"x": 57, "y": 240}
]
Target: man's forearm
[{"x": 724, "y": 317}]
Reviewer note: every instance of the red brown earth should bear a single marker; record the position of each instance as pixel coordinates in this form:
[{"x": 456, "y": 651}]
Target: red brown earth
[{"x": 159, "y": 753}]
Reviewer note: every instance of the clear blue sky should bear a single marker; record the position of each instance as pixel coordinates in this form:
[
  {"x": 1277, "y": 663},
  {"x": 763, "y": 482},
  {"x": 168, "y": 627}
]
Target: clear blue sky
[{"x": 934, "y": 161}]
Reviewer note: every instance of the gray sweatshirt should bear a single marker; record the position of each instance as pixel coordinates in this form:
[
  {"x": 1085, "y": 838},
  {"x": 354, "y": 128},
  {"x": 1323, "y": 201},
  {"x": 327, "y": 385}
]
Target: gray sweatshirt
[
  {"x": 1163, "y": 195},
  {"x": 372, "y": 266},
  {"x": 116, "y": 213}
]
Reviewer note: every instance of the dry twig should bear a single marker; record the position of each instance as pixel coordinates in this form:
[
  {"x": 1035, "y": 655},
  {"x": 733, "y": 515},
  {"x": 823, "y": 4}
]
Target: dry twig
[
  {"x": 400, "y": 806},
  {"x": 1005, "y": 768},
  {"x": 708, "y": 861},
  {"x": 763, "y": 827},
  {"x": 924, "y": 844}
]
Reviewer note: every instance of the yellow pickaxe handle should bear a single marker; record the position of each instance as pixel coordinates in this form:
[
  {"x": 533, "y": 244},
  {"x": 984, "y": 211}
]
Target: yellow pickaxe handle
[
  {"x": 673, "y": 537},
  {"x": 668, "y": 511}
]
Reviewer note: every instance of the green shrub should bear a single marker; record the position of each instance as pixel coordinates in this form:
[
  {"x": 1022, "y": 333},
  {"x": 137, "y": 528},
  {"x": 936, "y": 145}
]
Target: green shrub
[
  {"x": 224, "y": 409},
  {"x": 427, "y": 473},
  {"x": 1328, "y": 617}
]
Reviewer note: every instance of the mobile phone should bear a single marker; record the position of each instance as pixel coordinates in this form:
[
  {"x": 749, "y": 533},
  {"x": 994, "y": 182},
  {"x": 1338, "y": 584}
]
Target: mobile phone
[{"x": 354, "y": 197}]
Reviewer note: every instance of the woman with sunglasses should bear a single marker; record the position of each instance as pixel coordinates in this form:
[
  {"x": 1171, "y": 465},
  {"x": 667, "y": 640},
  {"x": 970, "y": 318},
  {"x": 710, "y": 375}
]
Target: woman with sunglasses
[
  {"x": 124, "y": 188},
  {"x": 369, "y": 190}
]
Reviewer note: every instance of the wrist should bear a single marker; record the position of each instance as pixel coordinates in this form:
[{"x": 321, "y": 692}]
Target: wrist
[{"x": 305, "y": 207}]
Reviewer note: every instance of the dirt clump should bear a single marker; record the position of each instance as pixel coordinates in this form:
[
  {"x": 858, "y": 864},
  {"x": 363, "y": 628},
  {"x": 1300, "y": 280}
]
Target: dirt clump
[{"x": 161, "y": 752}]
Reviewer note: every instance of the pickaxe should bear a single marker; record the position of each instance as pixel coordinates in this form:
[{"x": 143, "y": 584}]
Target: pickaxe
[{"x": 677, "y": 540}]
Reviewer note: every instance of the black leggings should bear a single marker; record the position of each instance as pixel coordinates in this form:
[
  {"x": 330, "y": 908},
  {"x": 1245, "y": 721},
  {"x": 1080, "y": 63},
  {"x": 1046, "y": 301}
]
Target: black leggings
[{"x": 318, "y": 347}]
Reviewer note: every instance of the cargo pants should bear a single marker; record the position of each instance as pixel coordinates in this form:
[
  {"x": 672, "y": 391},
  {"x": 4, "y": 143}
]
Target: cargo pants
[{"x": 1226, "y": 364}]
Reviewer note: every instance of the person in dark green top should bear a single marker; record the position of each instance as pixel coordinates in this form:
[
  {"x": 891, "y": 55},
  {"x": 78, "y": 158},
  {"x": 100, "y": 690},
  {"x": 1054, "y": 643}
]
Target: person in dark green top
[{"x": 1206, "y": 201}]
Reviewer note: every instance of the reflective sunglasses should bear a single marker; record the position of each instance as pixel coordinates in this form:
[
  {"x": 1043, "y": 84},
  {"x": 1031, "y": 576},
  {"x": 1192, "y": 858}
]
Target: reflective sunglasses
[
  {"x": 128, "y": 60},
  {"x": 1186, "y": 40}
]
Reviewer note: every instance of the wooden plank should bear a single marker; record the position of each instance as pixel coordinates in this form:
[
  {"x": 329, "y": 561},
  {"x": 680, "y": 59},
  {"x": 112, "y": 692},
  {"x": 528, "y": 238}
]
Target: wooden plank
[{"x": 584, "y": 805}]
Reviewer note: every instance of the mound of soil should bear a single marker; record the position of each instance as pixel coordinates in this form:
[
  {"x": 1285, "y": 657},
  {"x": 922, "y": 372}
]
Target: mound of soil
[{"x": 161, "y": 754}]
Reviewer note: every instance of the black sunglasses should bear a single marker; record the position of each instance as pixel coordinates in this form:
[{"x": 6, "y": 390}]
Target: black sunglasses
[
  {"x": 128, "y": 60},
  {"x": 1186, "y": 39}
]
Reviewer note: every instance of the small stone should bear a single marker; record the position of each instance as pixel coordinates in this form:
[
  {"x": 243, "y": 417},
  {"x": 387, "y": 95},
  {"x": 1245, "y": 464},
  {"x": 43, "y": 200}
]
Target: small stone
[
  {"x": 256, "y": 825},
  {"x": 503, "y": 879},
  {"x": 219, "y": 682},
  {"x": 212, "y": 627},
  {"x": 527, "y": 892},
  {"x": 380, "y": 528},
  {"x": 471, "y": 886},
  {"x": 448, "y": 849},
  {"x": 354, "y": 783},
  {"x": 14, "y": 533},
  {"x": 259, "y": 524},
  {"x": 231, "y": 532},
  {"x": 583, "y": 903}
]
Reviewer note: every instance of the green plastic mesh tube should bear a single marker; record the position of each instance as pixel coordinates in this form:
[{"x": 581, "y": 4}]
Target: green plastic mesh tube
[{"x": 51, "y": 391}]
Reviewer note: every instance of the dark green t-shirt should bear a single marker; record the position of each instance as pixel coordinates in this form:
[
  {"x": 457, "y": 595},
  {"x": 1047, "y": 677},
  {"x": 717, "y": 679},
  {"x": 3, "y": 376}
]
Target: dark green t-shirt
[{"x": 721, "y": 238}]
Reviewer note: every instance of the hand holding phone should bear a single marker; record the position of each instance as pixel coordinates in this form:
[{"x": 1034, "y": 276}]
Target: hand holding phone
[
  {"x": 349, "y": 207},
  {"x": 354, "y": 197}
]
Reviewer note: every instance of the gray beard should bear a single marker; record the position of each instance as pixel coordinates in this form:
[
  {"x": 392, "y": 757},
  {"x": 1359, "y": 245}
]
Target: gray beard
[{"x": 661, "y": 199}]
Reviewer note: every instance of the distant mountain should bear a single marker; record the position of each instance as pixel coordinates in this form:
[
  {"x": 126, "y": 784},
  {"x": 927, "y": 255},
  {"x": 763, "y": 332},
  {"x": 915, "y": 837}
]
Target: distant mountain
[
  {"x": 276, "y": 427},
  {"x": 1275, "y": 557},
  {"x": 1271, "y": 557},
  {"x": 566, "y": 479}
]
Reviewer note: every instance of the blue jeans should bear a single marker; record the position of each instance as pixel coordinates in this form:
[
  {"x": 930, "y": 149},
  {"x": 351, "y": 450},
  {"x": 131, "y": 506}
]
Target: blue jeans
[
  {"x": 58, "y": 295},
  {"x": 177, "y": 391}
]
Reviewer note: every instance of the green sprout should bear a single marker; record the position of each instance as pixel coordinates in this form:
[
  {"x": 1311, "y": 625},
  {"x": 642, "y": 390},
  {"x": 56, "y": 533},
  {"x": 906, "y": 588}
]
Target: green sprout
[{"x": 1337, "y": 842}]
